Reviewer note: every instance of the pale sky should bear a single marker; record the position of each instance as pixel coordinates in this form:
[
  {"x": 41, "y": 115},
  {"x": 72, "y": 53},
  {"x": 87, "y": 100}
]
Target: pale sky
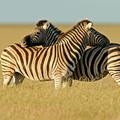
[{"x": 59, "y": 11}]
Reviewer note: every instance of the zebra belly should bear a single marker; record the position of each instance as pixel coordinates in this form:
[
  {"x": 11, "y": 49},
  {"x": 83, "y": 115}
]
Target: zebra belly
[{"x": 93, "y": 78}]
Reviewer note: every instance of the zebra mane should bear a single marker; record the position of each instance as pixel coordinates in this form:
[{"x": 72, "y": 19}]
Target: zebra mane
[{"x": 79, "y": 24}]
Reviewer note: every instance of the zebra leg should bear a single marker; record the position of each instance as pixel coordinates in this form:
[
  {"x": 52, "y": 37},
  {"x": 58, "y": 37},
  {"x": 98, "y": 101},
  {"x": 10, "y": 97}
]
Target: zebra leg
[
  {"x": 58, "y": 82},
  {"x": 70, "y": 82},
  {"x": 10, "y": 76},
  {"x": 66, "y": 82},
  {"x": 17, "y": 78},
  {"x": 62, "y": 82},
  {"x": 8, "y": 73},
  {"x": 116, "y": 76},
  {"x": 6, "y": 80}
]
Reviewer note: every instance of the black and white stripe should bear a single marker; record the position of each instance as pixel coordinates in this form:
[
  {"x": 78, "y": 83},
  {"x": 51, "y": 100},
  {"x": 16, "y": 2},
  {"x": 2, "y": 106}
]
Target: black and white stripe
[
  {"x": 56, "y": 62},
  {"x": 95, "y": 62}
]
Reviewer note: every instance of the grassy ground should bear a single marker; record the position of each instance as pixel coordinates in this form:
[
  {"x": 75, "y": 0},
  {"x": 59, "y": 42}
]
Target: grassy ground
[{"x": 39, "y": 101}]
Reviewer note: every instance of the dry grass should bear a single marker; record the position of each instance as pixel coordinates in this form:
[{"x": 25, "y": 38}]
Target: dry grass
[{"x": 39, "y": 101}]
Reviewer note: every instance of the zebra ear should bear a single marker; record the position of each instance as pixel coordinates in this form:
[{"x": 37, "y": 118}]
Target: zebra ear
[
  {"x": 46, "y": 25},
  {"x": 89, "y": 25}
]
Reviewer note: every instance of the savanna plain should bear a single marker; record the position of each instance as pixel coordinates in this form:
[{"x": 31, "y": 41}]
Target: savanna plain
[{"x": 34, "y": 100}]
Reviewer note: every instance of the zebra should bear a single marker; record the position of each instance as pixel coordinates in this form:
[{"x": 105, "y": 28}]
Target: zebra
[
  {"x": 56, "y": 62},
  {"x": 95, "y": 63},
  {"x": 52, "y": 35}
]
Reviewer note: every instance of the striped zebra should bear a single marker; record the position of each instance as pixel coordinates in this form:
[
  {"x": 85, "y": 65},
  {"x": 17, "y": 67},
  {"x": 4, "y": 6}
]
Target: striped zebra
[
  {"x": 56, "y": 62},
  {"x": 95, "y": 63},
  {"x": 52, "y": 35}
]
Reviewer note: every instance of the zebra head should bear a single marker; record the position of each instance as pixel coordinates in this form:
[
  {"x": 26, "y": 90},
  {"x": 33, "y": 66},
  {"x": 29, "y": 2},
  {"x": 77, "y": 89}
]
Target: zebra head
[
  {"x": 45, "y": 34},
  {"x": 97, "y": 39},
  {"x": 85, "y": 24},
  {"x": 38, "y": 36}
]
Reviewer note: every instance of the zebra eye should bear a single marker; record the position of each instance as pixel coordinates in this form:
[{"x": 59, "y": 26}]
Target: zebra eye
[{"x": 38, "y": 33}]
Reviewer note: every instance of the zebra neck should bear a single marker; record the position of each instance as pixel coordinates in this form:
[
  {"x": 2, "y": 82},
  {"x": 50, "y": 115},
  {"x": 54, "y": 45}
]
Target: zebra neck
[
  {"x": 71, "y": 49},
  {"x": 73, "y": 44},
  {"x": 54, "y": 31},
  {"x": 53, "y": 35},
  {"x": 77, "y": 36}
]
